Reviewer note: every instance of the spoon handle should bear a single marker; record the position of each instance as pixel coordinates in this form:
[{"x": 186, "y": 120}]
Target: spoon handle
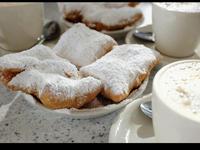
[
  {"x": 146, "y": 36},
  {"x": 40, "y": 40},
  {"x": 146, "y": 108}
]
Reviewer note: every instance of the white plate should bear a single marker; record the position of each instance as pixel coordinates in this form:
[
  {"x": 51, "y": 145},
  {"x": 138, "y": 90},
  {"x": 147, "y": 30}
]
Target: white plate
[
  {"x": 132, "y": 126},
  {"x": 93, "y": 112},
  {"x": 122, "y": 32},
  {"x": 115, "y": 34}
]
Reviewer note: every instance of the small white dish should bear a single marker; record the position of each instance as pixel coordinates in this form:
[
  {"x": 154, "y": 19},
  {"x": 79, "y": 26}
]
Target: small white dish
[
  {"x": 90, "y": 112},
  {"x": 132, "y": 126}
]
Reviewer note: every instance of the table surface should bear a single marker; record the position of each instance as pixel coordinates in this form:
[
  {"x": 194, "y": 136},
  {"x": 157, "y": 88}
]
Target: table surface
[{"x": 22, "y": 122}]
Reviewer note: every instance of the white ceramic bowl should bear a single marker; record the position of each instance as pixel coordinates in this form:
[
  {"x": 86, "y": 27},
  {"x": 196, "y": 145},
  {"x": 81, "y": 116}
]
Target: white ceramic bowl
[{"x": 93, "y": 112}]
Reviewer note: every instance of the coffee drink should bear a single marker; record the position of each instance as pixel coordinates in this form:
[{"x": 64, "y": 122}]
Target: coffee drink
[
  {"x": 180, "y": 86},
  {"x": 176, "y": 102},
  {"x": 181, "y": 7}
]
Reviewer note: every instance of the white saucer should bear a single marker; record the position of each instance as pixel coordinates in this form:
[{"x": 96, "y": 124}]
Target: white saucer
[
  {"x": 92, "y": 112},
  {"x": 132, "y": 126}
]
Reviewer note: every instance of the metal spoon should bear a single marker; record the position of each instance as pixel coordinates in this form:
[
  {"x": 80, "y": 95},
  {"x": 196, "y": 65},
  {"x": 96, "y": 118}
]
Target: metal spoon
[
  {"x": 146, "y": 36},
  {"x": 146, "y": 108},
  {"x": 51, "y": 31}
]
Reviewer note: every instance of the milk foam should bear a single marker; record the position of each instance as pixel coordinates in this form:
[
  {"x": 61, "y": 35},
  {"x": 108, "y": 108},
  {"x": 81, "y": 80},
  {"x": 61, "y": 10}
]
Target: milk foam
[
  {"x": 180, "y": 86},
  {"x": 182, "y": 7}
]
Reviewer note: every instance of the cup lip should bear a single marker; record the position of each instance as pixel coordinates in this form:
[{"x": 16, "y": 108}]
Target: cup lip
[
  {"x": 158, "y": 95},
  {"x": 174, "y": 11}
]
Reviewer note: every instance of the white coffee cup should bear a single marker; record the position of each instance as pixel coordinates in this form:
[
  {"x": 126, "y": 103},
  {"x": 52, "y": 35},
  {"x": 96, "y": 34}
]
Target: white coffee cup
[
  {"x": 177, "y": 32},
  {"x": 20, "y": 25},
  {"x": 173, "y": 120}
]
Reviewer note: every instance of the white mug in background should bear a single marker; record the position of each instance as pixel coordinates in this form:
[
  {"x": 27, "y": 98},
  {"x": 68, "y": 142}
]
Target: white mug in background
[
  {"x": 20, "y": 25},
  {"x": 177, "y": 33},
  {"x": 173, "y": 118}
]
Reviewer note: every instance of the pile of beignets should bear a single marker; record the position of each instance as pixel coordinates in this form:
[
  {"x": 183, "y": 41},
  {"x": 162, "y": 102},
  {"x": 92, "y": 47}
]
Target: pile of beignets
[
  {"x": 83, "y": 64},
  {"x": 102, "y": 16}
]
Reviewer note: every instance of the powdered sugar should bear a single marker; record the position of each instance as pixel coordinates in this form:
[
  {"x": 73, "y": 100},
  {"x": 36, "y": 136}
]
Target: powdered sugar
[
  {"x": 62, "y": 87},
  {"x": 82, "y": 46},
  {"x": 72, "y": 7},
  {"x": 39, "y": 57},
  {"x": 120, "y": 68},
  {"x": 60, "y": 67},
  {"x": 27, "y": 58},
  {"x": 80, "y": 7},
  {"x": 110, "y": 16},
  {"x": 102, "y": 12}
]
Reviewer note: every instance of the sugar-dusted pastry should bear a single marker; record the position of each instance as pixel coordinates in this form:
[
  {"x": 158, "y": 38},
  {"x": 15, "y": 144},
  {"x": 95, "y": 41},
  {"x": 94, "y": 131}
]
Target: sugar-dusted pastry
[
  {"x": 133, "y": 4},
  {"x": 72, "y": 11},
  {"x": 53, "y": 80},
  {"x": 122, "y": 70},
  {"x": 82, "y": 46},
  {"x": 56, "y": 91},
  {"x": 102, "y": 16},
  {"x": 38, "y": 56},
  {"x": 105, "y": 18}
]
